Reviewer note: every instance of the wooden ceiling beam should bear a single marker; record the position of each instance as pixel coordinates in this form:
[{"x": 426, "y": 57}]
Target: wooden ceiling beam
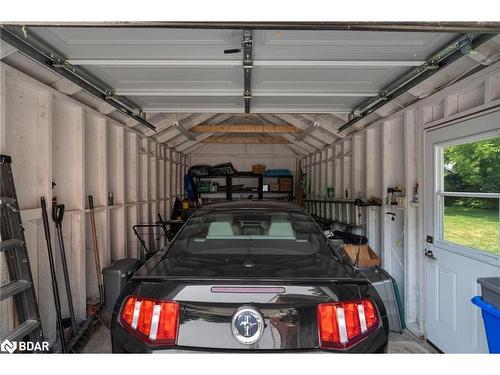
[
  {"x": 302, "y": 144},
  {"x": 244, "y": 128},
  {"x": 247, "y": 140}
]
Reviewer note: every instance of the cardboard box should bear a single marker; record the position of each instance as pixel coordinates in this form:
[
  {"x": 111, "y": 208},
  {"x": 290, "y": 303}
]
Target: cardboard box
[
  {"x": 367, "y": 257},
  {"x": 285, "y": 181},
  {"x": 259, "y": 168},
  {"x": 274, "y": 187},
  {"x": 285, "y": 187},
  {"x": 285, "y": 184}
]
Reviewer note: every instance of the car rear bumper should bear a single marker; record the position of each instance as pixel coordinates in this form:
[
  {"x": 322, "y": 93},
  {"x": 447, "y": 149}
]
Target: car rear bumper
[{"x": 123, "y": 342}]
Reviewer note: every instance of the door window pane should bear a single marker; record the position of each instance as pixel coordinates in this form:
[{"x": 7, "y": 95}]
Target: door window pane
[
  {"x": 472, "y": 222},
  {"x": 473, "y": 167}
]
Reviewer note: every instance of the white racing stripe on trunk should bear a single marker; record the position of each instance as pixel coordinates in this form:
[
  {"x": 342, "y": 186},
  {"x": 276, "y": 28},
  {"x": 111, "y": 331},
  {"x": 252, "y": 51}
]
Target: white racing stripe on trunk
[
  {"x": 362, "y": 318},
  {"x": 342, "y": 326},
  {"x": 154, "y": 322},
  {"x": 135, "y": 317}
]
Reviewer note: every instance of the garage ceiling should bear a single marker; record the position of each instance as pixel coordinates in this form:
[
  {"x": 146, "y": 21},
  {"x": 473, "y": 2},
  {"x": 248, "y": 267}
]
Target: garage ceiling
[
  {"x": 186, "y": 70},
  {"x": 181, "y": 78}
]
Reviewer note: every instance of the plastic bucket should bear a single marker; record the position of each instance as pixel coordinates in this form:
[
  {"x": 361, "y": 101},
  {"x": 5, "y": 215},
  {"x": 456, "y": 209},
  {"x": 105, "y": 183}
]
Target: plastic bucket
[{"x": 491, "y": 318}]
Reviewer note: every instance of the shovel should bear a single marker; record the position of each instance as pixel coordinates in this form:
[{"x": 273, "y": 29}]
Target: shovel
[{"x": 57, "y": 216}]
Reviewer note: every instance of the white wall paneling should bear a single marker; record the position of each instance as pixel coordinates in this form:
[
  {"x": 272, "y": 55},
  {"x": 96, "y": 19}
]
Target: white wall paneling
[
  {"x": 54, "y": 138},
  {"x": 324, "y": 176},
  {"x": 330, "y": 170},
  {"x": 244, "y": 156},
  {"x": 168, "y": 188},
  {"x": 132, "y": 190},
  {"x": 413, "y": 242},
  {"x": 373, "y": 183},
  {"x": 393, "y": 217},
  {"x": 33, "y": 154},
  {"x": 317, "y": 182}
]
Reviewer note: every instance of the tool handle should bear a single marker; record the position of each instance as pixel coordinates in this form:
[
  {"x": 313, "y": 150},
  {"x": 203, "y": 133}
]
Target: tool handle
[
  {"x": 96, "y": 250},
  {"x": 55, "y": 289},
  {"x": 232, "y": 50},
  {"x": 58, "y": 213},
  {"x": 45, "y": 219},
  {"x": 91, "y": 202}
]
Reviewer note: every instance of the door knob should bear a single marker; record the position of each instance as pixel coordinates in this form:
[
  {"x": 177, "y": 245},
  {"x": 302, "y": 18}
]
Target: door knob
[{"x": 429, "y": 254}]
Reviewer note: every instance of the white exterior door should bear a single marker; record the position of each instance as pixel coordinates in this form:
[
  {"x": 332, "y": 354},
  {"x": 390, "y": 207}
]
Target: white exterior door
[{"x": 460, "y": 243}]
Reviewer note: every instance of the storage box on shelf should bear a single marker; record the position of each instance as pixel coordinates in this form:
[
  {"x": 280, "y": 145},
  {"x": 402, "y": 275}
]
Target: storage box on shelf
[
  {"x": 362, "y": 255},
  {"x": 258, "y": 168},
  {"x": 274, "y": 186},
  {"x": 285, "y": 185},
  {"x": 280, "y": 184},
  {"x": 230, "y": 188}
]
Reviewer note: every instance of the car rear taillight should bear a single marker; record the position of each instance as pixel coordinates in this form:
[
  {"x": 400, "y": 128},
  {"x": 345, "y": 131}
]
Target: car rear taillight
[
  {"x": 343, "y": 324},
  {"x": 152, "y": 321}
]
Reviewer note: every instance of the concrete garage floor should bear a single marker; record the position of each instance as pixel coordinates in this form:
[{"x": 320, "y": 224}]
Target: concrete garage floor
[{"x": 100, "y": 342}]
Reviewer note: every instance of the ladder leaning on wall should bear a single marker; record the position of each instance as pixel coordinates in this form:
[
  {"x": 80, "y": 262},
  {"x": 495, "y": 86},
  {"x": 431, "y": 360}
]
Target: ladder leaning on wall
[{"x": 13, "y": 246}]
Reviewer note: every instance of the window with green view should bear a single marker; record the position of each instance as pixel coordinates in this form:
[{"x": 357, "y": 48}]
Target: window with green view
[{"x": 470, "y": 202}]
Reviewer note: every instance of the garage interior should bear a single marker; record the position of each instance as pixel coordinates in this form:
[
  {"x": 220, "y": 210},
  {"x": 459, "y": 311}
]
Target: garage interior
[{"x": 356, "y": 114}]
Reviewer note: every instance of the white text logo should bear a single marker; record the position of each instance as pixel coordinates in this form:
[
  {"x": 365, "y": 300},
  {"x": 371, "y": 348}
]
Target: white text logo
[
  {"x": 24, "y": 346},
  {"x": 8, "y": 346}
]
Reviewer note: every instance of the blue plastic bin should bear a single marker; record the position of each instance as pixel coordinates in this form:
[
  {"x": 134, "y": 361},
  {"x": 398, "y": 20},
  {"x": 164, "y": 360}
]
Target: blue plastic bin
[{"x": 491, "y": 318}]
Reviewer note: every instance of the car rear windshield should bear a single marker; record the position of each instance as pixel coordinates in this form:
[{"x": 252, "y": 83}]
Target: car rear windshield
[{"x": 250, "y": 232}]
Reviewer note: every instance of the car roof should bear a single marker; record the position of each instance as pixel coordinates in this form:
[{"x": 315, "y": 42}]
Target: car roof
[{"x": 250, "y": 204}]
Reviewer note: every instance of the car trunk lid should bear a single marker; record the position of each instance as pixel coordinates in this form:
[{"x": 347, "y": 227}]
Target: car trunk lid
[{"x": 288, "y": 310}]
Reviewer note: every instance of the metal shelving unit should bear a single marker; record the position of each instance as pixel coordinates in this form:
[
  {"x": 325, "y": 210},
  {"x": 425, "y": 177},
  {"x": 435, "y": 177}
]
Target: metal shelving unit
[
  {"x": 259, "y": 190},
  {"x": 229, "y": 184},
  {"x": 338, "y": 211},
  {"x": 289, "y": 192}
]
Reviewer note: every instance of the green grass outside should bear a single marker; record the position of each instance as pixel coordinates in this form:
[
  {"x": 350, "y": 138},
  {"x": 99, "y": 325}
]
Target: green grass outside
[{"x": 472, "y": 227}]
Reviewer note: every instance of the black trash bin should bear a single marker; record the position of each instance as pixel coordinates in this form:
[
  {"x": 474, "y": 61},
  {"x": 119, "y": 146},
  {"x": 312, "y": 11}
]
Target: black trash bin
[
  {"x": 490, "y": 290},
  {"x": 115, "y": 278}
]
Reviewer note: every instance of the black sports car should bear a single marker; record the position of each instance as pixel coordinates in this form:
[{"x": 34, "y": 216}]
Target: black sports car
[{"x": 249, "y": 276}]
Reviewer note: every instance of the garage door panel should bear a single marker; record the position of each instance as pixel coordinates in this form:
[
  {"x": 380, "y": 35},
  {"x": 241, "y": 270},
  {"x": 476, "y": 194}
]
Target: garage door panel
[
  {"x": 347, "y": 45},
  {"x": 145, "y": 79},
  {"x": 194, "y": 104},
  {"x": 305, "y": 104},
  {"x": 319, "y": 79},
  {"x": 162, "y": 43},
  {"x": 386, "y": 55},
  {"x": 133, "y": 43}
]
